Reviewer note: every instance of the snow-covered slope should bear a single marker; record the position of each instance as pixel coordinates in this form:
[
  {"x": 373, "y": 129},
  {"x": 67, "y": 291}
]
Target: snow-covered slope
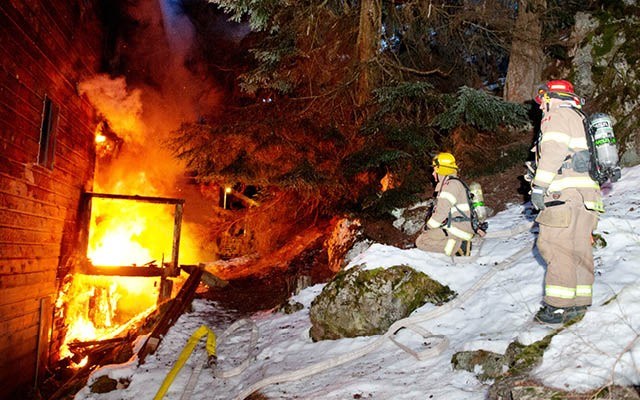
[{"x": 603, "y": 348}]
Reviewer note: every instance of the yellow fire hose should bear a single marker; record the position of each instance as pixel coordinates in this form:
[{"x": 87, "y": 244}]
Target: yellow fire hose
[
  {"x": 341, "y": 359},
  {"x": 184, "y": 356}
]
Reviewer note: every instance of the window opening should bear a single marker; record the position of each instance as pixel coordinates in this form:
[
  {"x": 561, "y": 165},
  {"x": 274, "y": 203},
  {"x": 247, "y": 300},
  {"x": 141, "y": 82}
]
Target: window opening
[{"x": 48, "y": 133}]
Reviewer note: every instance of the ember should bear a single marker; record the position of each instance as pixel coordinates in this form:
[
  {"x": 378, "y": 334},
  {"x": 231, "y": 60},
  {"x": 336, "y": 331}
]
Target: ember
[{"x": 101, "y": 307}]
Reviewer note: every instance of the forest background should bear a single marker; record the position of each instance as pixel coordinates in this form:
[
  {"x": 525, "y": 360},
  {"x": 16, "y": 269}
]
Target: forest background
[{"x": 337, "y": 107}]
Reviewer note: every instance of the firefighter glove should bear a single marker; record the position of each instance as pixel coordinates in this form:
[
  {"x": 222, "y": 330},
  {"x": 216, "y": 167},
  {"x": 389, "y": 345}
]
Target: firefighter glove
[{"x": 537, "y": 197}]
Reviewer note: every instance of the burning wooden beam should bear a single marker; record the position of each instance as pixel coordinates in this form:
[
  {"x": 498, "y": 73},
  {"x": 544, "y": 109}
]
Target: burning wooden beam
[
  {"x": 146, "y": 199},
  {"x": 82, "y": 349},
  {"x": 172, "y": 313},
  {"x": 111, "y": 351},
  {"x": 124, "y": 271},
  {"x": 169, "y": 269}
]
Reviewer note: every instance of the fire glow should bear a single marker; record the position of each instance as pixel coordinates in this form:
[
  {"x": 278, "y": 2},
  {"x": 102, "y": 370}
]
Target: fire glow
[
  {"x": 102, "y": 307},
  {"x": 125, "y": 234},
  {"x": 122, "y": 233},
  {"x": 128, "y": 233}
]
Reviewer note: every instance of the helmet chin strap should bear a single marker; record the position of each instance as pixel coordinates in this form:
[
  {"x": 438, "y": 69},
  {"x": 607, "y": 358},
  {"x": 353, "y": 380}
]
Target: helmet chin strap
[
  {"x": 547, "y": 101},
  {"x": 563, "y": 102}
]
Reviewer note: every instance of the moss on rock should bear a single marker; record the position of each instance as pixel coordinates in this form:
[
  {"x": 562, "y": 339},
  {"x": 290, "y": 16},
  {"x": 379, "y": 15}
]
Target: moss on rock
[{"x": 361, "y": 302}]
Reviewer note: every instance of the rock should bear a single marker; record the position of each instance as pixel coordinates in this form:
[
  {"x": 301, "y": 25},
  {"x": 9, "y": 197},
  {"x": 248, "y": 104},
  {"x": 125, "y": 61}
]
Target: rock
[
  {"x": 384, "y": 230},
  {"x": 366, "y": 302},
  {"x": 411, "y": 221},
  {"x": 534, "y": 393},
  {"x": 341, "y": 240},
  {"x": 104, "y": 384},
  {"x": 604, "y": 67},
  {"x": 485, "y": 364},
  {"x": 528, "y": 390},
  {"x": 291, "y": 307},
  {"x": 517, "y": 384},
  {"x": 598, "y": 241}
]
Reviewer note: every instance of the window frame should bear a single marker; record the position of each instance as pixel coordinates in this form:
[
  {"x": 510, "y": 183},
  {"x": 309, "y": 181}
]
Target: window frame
[{"x": 48, "y": 133}]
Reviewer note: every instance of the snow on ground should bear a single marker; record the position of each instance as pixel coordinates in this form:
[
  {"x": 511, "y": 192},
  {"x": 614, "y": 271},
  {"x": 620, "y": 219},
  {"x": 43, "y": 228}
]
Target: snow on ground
[{"x": 603, "y": 348}]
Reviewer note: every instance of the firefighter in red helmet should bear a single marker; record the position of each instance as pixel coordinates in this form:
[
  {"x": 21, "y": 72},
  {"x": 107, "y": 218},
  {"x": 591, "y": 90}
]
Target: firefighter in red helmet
[{"x": 569, "y": 201}]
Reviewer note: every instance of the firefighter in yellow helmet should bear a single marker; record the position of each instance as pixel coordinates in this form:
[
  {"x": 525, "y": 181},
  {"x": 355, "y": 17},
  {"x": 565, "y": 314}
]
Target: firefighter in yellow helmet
[
  {"x": 448, "y": 230},
  {"x": 569, "y": 202}
]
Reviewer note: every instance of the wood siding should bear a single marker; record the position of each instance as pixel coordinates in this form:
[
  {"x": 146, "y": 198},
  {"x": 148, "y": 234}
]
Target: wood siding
[{"x": 47, "y": 47}]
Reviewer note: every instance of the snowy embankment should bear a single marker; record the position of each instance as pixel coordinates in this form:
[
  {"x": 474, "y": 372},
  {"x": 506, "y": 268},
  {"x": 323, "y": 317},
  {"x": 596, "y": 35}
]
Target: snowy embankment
[{"x": 601, "y": 349}]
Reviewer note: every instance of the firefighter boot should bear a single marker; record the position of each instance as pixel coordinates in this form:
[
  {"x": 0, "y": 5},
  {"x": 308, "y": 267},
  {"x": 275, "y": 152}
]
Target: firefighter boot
[
  {"x": 465, "y": 248},
  {"x": 552, "y": 315},
  {"x": 575, "y": 313}
]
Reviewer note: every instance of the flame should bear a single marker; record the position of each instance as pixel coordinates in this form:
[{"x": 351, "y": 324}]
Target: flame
[
  {"x": 131, "y": 160},
  {"x": 100, "y": 307},
  {"x": 83, "y": 362},
  {"x": 130, "y": 233},
  {"x": 122, "y": 233}
]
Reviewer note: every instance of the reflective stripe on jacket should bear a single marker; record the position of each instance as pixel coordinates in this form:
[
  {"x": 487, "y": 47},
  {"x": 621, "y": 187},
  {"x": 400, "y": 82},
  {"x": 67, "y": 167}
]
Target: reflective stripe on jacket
[
  {"x": 451, "y": 203},
  {"x": 563, "y": 135}
]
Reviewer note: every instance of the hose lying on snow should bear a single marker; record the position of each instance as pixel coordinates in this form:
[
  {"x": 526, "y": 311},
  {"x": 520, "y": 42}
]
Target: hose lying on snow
[
  {"x": 503, "y": 233},
  {"x": 409, "y": 322},
  {"x": 218, "y": 372}
]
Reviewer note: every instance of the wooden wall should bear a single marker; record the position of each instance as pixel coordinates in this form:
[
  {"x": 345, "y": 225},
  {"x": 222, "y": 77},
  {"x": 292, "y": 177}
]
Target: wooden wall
[{"x": 46, "y": 48}]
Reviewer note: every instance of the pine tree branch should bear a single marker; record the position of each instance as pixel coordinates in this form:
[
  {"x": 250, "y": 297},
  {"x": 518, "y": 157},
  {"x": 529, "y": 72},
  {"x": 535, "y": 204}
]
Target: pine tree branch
[{"x": 417, "y": 71}]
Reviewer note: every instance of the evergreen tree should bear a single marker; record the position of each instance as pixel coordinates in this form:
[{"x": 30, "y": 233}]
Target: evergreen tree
[{"x": 337, "y": 93}]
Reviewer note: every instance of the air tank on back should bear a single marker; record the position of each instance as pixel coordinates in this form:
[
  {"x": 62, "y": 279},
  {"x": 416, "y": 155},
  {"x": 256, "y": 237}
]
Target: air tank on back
[
  {"x": 478, "y": 201},
  {"x": 604, "y": 142}
]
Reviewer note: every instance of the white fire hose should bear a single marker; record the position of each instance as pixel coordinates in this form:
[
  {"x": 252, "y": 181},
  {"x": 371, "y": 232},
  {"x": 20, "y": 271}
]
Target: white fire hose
[
  {"x": 408, "y": 323},
  {"x": 503, "y": 233}
]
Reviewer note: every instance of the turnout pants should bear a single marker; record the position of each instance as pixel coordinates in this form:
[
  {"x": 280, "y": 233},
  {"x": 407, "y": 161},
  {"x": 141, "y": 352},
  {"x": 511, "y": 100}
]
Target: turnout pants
[
  {"x": 564, "y": 242},
  {"x": 437, "y": 241}
]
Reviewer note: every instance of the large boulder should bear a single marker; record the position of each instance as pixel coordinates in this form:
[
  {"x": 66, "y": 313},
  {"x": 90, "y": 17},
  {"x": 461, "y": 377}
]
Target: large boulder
[{"x": 361, "y": 302}]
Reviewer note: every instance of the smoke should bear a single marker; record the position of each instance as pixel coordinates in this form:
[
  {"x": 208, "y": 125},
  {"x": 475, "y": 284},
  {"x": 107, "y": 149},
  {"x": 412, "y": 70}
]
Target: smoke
[
  {"x": 147, "y": 95},
  {"x": 120, "y": 107},
  {"x": 154, "y": 92},
  {"x": 177, "y": 26}
]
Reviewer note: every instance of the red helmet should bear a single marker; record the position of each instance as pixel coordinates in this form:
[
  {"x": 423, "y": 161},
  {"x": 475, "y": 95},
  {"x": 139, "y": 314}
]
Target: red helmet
[
  {"x": 557, "y": 88},
  {"x": 560, "y": 86}
]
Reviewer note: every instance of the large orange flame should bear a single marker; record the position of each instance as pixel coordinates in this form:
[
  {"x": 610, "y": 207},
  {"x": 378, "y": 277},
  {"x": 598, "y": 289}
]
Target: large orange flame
[
  {"x": 122, "y": 233},
  {"x": 101, "y": 307},
  {"x": 125, "y": 232}
]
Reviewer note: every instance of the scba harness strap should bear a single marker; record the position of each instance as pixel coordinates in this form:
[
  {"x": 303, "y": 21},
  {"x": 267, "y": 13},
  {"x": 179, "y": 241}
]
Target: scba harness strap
[{"x": 472, "y": 217}]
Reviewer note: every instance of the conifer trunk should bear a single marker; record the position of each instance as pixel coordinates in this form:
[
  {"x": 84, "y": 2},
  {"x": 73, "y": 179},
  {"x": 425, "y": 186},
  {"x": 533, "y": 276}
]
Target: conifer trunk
[
  {"x": 527, "y": 58},
  {"x": 367, "y": 46}
]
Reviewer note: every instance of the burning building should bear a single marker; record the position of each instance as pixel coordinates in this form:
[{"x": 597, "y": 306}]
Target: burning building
[
  {"x": 46, "y": 163},
  {"x": 89, "y": 240}
]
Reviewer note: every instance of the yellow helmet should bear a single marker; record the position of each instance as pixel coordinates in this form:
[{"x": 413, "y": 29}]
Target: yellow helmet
[{"x": 444, "y": 164}]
